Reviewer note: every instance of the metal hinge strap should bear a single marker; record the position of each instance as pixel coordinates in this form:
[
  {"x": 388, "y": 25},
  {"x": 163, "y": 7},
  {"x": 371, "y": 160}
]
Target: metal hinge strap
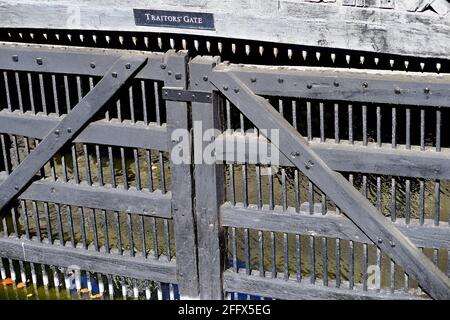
[{"x": 179, "y": 94}]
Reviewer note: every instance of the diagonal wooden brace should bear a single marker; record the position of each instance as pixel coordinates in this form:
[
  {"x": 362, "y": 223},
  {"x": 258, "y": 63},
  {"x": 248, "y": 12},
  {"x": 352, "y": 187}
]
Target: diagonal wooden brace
[
  {"x": 355, "y": 206},
  {"x": 123, "y": 69}
]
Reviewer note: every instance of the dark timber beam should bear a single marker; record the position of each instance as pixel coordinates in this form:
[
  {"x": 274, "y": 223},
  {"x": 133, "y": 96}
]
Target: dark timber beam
[
  {"x": 280, "y": 288},
  {"x": 365, "y": 86},
  {"x": 123, "y": 69},
  {"x": 356, "y": 207}
]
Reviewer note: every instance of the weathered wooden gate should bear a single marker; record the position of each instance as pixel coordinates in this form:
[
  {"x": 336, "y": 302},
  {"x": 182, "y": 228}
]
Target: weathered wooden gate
[{"x": 87, "y": 147}]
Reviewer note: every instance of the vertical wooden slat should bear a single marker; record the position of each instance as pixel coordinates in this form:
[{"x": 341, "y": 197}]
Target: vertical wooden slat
[
  {"x": 210, "y": 192},
  {"x": 181, "y": 180}
]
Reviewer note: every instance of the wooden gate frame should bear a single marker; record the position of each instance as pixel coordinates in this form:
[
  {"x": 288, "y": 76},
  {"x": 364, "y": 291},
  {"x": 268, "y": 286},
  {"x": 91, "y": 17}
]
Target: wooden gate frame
[
  {"x": 117, "y": 68},
  {"x": 243, "y": 86}
]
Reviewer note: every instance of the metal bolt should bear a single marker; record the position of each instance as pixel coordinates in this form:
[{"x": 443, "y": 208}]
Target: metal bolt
[
  {"x": 15, "y": 58},
  {"x": 336, "y": 83},
  {"x": 397, "y": 91},
  {"x": 57, "y": 132},
  {"x": 69, "y": 130},
  {"x": 16, "y": 187},
  {"x": 380, "y": 240},
  {"x": 309, "y": 86},
  {"x": 39, "y": 61},
  {"x": 236, "y": 90},
  {"x": 114, "y": 74},
  {"x": 365, "y": 84},
  {"x": 92, "y": 65},
  {"x": 128, "y": 66},
  {"x": 295, "y": 154},
  {"x": 426, "y": 90},
  {"x": 163, "y": 66},
  {"x": 169, "y": 72},
  {"x": 309, "y": 164},
  {"x": 253, "y": 79},
  {"x": 205, "y": 78},
  {"x": 280, "y": 80},
  {"x": 225, "y": 88},
  {"x": 392, "y": 244},
  {"x": 178, "y": 76}
]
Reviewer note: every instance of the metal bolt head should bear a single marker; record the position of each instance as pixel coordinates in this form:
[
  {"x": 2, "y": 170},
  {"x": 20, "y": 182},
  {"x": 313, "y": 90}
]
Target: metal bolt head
[
  {"x": 178, "y": 76},
  {"x": 309, "y": 164},
  {"x": 92, "y": 65},
  {"x": 253, "y": 79},
  {"x": 392, "y": 244},
  {"x": 309, "y": 86},
  {"x": 336, "y": 83},
  {"x": 397, "y": 91},
  {"x": 225, "y": 88},
  {"x": 69, "y": 130},
  {"x": 16, "y": 188},
  {"x": 15, "y": 58},
  {"x": 128, "y": 66},
  {"x": 236, "y": 90},
  {"x": 39, "y": 61},
  {"x": 205, "y": 78},
  {"x": 163, "y": 66},
  {"x": 426, "y": 90},
  {"x": 169, "y": 72},
  {"x": 280, "y": 80},
  {"x": 114, "y": 74},
  {"x": 365, "y": 85},
  {"x": 57, "y": 132},
  {"x": 295, "y": 154}
]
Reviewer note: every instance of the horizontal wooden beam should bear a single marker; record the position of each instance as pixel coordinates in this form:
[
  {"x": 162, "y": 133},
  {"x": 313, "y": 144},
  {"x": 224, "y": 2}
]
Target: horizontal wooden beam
[
  {"x": 108, "y": 133},
  {"x": 345, "y": 157},
  {"x": 337, "y": 84},
  {"x": 74, "y": 60},
  {"x": 330, "y": 225},
  {"x": 87, "y": 259},
  {"x": 279, "y": 288},
  {"x": 147, "y": 203},
  {"x": 327, "y": 25}
]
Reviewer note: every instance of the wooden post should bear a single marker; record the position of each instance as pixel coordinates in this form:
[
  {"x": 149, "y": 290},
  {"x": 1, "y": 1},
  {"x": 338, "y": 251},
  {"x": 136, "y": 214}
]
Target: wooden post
[
  {"x": 175, "y": 65},
  {"x": 209, "y": 187}
]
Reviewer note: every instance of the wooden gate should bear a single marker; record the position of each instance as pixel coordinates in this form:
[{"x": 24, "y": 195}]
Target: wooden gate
[
  {"x": 86, "y": 167},
  {"x": 258, "y": 96},
  {"x": 89, "y": 183}
]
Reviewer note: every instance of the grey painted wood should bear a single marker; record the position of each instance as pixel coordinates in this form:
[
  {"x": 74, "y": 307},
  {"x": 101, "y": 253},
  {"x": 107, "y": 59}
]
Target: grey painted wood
[
  {"x": 388, "y": 238},
  {"x": 109, "y": 133},
  {"x": 293, "y": 290},
  {"x": 373, "y": 86},
  {"x": 328, "y": 25},
  {"x": 146, "y": 203},
  {"x": 209, "y": 187},
  {"x": 331, "y": 225},
  {"x": 122, "y": 70},
  {"x": 91, "y": 260},
  {"x": 181, "y": 180},
  {"x": 347, "y": 157},
  {"x": 55, "y": 60}
]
